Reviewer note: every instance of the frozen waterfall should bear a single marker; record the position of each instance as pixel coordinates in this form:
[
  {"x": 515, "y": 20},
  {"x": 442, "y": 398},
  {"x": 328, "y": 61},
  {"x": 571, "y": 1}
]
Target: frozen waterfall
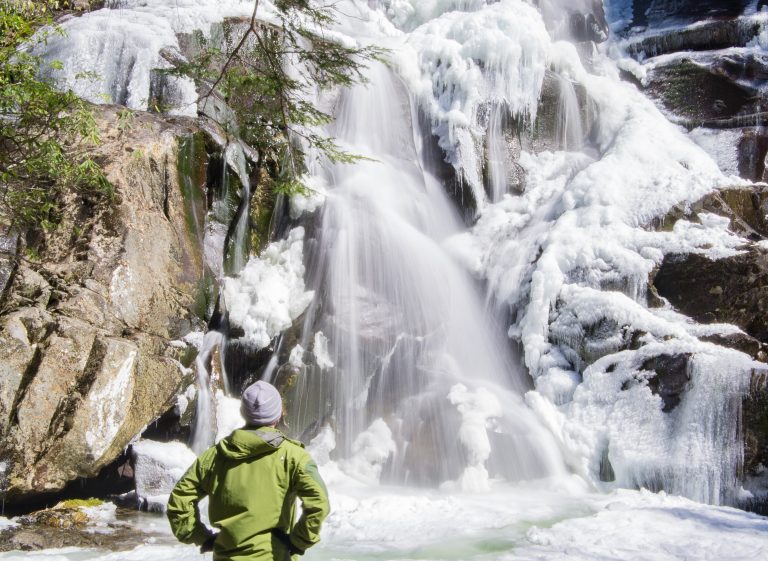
[
  {"x": 410, "y": 339},
  {"x": 400, "y": 358}
]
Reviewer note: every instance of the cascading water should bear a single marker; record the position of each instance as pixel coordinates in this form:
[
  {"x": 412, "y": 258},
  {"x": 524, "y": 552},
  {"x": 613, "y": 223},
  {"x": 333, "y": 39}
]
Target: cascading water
[
  {"x": 401, "y": 371},
  {"x": 407, "y": 365},
  {"x": 569, "y": 130},
  {"x": 496, "y": 151},
  {"x": 408, "y": 334},
  {"x": 236, "y": 249}
]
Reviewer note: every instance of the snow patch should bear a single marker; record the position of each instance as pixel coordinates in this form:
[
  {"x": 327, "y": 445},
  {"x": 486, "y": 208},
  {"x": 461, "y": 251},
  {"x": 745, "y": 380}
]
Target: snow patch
[
  {"x": 269, "y": 294},
  {"x": 157, "y": 468},
  {"x": 320, "y": 351}
]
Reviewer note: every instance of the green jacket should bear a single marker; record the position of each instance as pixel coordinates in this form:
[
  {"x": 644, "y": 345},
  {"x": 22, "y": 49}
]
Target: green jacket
[{"x": 252, "y": 478}]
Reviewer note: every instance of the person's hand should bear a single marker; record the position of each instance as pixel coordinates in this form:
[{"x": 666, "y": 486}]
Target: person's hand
[{"x": 208, "y": 544}]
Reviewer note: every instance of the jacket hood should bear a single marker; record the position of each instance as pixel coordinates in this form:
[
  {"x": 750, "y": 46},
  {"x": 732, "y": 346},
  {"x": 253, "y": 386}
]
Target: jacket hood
[{"x": 251, "y": 443}]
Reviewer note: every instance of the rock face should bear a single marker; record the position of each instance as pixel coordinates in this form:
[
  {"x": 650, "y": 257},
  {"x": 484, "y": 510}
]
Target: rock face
[
  {"x": 85, "y": 362},
  {"x": 729, "y": 290},
  {"x": 157, "y": 467},
  {"x": 755, "y": 419},
  {"x": 708, "y": 80},
  {"x": 701, "y": 63}
]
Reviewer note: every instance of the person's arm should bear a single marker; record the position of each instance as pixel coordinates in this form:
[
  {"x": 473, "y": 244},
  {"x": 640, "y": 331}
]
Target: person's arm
[
  {"x": 182, "y": 505},
  {"x": 311, "y": 490}
]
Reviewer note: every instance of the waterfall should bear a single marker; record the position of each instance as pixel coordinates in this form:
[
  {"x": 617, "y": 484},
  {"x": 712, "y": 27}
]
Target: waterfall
[
  {"x": 399, "y": 354},
  {"x": 406, "y": 325},
  {"x": 237, "y": 246},
  {"x": 496, "y": 150},
  {"x": 204, "y": 430},
  {"x": 569, "y": 130}
]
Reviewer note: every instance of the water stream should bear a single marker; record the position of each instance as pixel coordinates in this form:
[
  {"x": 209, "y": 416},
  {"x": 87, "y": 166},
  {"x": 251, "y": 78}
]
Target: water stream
[{"x": 408, "y": 332}]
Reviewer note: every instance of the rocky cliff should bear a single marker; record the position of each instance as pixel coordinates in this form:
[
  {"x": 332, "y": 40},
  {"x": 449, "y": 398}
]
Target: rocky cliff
[
  {"x": 90, "y": 309},
  {"x": 704, "y": 65}
]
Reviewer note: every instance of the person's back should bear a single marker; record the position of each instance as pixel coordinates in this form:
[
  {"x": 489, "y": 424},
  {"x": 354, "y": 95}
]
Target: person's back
[{"x": 252, "y": 478}]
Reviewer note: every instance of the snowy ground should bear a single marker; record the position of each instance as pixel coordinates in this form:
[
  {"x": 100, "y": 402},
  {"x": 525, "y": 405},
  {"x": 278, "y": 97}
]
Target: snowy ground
[{"x": 551, "y": 520}]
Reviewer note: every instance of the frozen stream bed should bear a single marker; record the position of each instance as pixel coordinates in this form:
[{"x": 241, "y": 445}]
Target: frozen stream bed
[{"x": 547, "y": 520}]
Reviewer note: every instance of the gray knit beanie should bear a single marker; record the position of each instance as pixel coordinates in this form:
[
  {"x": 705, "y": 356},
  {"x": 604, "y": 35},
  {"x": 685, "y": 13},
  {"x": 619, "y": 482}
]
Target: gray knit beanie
[{"x": 261, "y": 404}]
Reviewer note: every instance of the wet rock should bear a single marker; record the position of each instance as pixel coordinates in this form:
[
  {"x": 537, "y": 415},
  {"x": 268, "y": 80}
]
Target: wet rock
[
  {"x": 102, "y": 527},
  {"x": 590, "y": 26},
  {"x": 702, "y": 82},
  {"x": 654, "y": 12},
  {"x": 671, "y": 379},
  {"x": 755, "y": 423},
  {"x": 454, "y": 183},
  {"x": 548, "y": 133},
  {"x": 745, "y": 207},
  {"x": 706, "y": 36},
  {"x": 753, "y": 154},
  {"x": 740, "y": 342},
  {"x": 579, "y": 22},
  {"x": 157, "y": 467},
  {"x": 607, "y": 474},
  {"x": 730, "y": 290},
  {"x": 697, "y": 93},
  {"x": 60, "y": 516}
]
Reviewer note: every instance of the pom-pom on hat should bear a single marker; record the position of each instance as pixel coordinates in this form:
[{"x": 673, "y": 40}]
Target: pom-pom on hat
[{"x": 261, "y": 404}]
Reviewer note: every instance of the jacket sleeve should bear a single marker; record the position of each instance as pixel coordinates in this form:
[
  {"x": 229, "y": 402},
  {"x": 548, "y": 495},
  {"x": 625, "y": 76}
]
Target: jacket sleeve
[
  {"x": 311, "y": 490},
  {"x": 183, "y": 513}
]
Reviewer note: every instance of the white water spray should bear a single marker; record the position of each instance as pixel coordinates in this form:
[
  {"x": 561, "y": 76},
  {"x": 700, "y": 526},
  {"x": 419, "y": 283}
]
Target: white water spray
[{"x": 404, "y": 322}]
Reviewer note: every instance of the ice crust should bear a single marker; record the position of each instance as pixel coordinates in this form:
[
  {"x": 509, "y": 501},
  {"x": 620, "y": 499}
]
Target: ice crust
[
  {"x": 120, "y": 45},
  {"x": 269, "y": 293},
  {"x": 461, "y": 61},
  {"x": 157, "y": 468}
]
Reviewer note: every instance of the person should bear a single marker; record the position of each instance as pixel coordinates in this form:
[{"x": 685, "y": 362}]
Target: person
[{"x": 252, "y": 478}]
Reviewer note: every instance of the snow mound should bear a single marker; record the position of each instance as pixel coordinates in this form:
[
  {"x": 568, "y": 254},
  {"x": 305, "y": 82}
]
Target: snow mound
[
  {"x": 269, "y": 293},
  {"x": 157, "y": 468}
]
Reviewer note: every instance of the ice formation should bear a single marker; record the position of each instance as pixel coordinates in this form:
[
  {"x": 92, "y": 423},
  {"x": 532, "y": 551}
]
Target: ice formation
[
  {"x": 320, "y": 351},
  {"x": 370, "y": 451},
  {"x": 108, "y": 55},
  {"x": 574, "y": 251},
  {"x": 269, "y": 293},
  {"x": 415, "y": 367},
  {"x": 157, "y": 466},
  {"x": 463, "y": 61}
]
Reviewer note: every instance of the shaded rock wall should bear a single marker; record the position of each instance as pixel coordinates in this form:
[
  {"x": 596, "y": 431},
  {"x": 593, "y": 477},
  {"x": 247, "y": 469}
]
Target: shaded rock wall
[
  {"x": 85, "y": 359},
  {"x": 712, "y": 76}
]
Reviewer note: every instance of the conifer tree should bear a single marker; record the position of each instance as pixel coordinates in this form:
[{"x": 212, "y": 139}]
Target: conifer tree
[{"x": 266, "y": 73}]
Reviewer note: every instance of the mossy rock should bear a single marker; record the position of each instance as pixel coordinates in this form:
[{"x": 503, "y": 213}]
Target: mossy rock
[
  {"x": 66, "y": 514},
  {"x": 79, "y": 503},
  {"x": 693, "y": 91}
]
